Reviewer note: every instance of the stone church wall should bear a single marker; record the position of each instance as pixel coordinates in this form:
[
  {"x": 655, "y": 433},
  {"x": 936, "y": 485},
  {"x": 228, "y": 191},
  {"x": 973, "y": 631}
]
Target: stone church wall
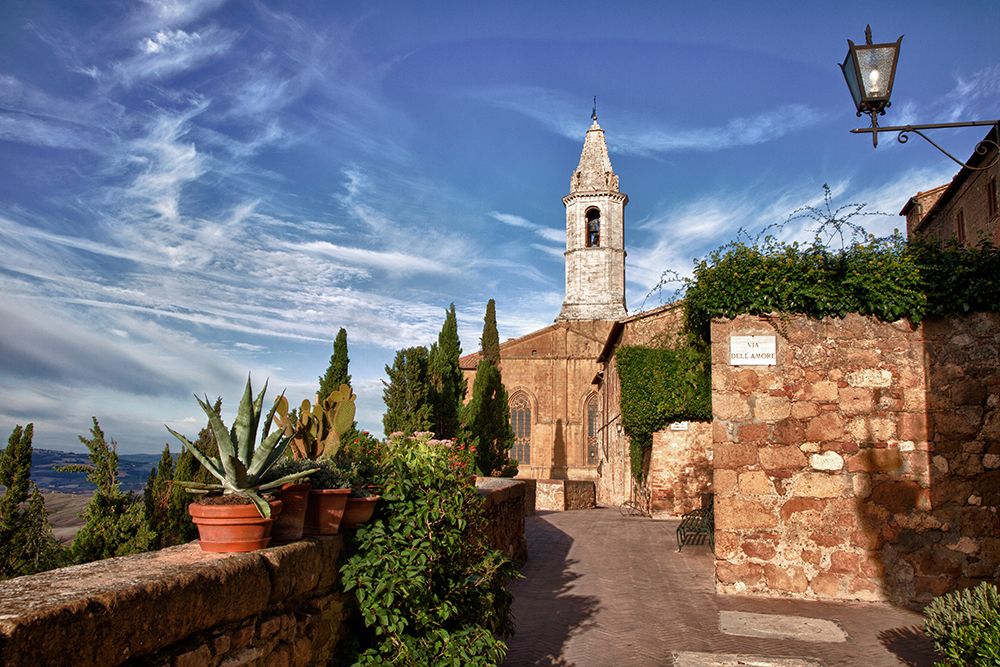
[
  {"x": 864, "y": 465},
  {"x": 554, "y": 367}
]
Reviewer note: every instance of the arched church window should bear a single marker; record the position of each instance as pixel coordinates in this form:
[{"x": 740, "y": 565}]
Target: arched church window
[
  {"x": 593, "y": 227},
  {"x": 593, "y": 417},
  {"x": 520, "y": 422}
]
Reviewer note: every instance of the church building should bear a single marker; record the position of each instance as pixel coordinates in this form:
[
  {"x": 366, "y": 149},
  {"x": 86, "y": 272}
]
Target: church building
[{"x": 555, "y": 407}]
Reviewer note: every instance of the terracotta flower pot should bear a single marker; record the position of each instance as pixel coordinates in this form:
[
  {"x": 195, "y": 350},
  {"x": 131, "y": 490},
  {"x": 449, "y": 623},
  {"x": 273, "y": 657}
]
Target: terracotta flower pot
[
  {"x": 289, "y": 524},
  {"x": 358, "y": 511},
  {"x": 227, "y": 528},
  {"x": 325, "y": 510}
]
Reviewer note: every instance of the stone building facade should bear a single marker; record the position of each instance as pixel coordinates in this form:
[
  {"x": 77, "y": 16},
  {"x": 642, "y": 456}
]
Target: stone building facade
[{"x": 967, "y": 209}]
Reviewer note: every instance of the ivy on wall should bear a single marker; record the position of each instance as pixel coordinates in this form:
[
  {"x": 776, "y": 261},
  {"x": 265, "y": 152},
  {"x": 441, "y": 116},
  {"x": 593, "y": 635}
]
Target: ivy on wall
[
  {"x": 661, "y": 385},
  {"x": 886, "y": 278}
]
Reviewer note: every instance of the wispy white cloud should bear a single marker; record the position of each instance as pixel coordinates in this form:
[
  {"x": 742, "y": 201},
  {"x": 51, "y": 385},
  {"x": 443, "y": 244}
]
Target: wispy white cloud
[
  {"x": 167, "y": 52},
  {"x": 548, "y": 233},
  {"x": 391, "y": 262},
  {"x": 559, "y": 112}
]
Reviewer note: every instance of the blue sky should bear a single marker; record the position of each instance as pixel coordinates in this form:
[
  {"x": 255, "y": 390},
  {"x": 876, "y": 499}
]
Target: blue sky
[{"x": 193, "y": 190}]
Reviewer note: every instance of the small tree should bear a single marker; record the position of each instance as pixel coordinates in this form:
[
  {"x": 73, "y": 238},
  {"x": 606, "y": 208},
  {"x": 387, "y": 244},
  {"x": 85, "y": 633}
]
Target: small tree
[
  {"x": 336, "y": 373},
  {"x": 448, "y": 382},
  {"x": 156, "y": 497},
  {"x": 486, "y": 417},
  {"x": 115, "y": 522},
  {"x": 176, "y": 526},
  {"x": 27, "y": 544},
  {"x": 407, "y": 395}
]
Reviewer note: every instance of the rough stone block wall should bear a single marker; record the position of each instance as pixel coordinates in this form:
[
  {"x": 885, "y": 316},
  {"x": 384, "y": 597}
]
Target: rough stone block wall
[
  {"x": 505, "y": 515},
  {"x": 864, "y": 465},
  {"x": 529, "y": 495},
  {"x": 179, "y": 606},
  {"x": 680, "y": 469},
  {"x": 579, "y": 495},
  {"x": 550, "y": 495}
]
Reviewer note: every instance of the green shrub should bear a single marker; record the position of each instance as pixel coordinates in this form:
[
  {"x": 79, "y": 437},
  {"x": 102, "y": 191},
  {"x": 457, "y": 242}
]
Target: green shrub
[
  {"x": 661, "y": 385},
  {"x": 965, "y": 626},
  {"x": 429, "y": 589},
  {"x": 885, "y": 278}
]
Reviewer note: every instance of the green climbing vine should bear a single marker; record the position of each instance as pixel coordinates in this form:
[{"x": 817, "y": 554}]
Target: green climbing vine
[{"x": 661, "y": 385}]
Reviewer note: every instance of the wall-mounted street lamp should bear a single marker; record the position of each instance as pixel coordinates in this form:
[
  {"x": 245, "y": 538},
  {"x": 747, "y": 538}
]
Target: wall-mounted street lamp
[{"x": 870, "y": 70}]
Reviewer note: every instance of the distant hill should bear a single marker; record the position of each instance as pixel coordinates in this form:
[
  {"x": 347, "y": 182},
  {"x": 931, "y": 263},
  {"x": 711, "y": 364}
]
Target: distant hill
[{"x": 134, "y": 471}]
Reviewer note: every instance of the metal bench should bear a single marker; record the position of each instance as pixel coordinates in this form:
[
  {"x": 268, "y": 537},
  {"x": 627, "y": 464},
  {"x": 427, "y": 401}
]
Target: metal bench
[{"x": 697, "y": 526}]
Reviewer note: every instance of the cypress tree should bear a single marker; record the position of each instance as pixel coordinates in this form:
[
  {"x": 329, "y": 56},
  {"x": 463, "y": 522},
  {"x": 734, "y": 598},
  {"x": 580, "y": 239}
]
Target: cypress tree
[
  {"x": 486, "y": 417},
  {"x": 336, "y": 373},
  {"x": 156, "y": 497},
  {"x": 115, "y": 522},
  {"x": 489, "y": 343},
  {"x": 448, "y": 382},
  {"x": 407, "y": 395},
  {"x": 27, "y": 544}
]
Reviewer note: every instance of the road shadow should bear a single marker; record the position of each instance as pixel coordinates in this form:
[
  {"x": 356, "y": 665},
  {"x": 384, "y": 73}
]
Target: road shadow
[
  {"x": 547, "y": 613},
  {"x": 910, "y": 645}
]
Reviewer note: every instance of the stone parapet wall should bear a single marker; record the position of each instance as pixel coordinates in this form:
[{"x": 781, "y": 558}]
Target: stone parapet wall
[
  {"x": 184, "y": 607},
  {"x": 864, "y": 465},
  {"x": 505, "y": 503},
  {"x": 680, "y": 469},
  {"x": 179, "y": 606}
]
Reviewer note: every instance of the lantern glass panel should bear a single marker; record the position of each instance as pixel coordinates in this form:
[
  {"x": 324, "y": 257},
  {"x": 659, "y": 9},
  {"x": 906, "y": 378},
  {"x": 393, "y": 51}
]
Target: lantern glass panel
[
  {"x": 851, "y": 74},
  {"x": 876, "y": 70}
]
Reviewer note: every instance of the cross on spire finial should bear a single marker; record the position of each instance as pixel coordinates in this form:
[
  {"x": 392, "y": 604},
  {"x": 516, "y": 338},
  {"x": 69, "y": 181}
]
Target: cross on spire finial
[{"x": 593, "y": 114}]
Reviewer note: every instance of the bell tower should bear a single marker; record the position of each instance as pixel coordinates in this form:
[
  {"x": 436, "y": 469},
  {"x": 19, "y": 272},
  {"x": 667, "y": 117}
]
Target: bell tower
[{"x": 595, "y": 236}]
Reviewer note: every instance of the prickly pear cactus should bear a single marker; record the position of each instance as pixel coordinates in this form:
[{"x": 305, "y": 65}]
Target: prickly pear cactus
[{"x": 317, "y": 429}]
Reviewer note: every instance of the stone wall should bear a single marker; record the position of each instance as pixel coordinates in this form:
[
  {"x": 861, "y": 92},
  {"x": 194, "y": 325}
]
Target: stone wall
[
  {"x": 179, "y": 606},
  {"x": 505, "y": 515},
  {"x": 183, "y": 607},
  {"x": 864, "y": 465},
  {"x": 558, "y": 495},
  {"x": 680, "y": 469}
]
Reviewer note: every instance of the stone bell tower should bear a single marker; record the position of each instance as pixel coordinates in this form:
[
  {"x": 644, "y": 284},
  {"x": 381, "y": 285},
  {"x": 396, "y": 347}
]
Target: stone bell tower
[{"x": 595, "y": 239}]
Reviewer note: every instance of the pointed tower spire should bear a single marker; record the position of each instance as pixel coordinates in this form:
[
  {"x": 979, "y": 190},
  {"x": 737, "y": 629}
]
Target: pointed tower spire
[{"x": 594, "y": 173}]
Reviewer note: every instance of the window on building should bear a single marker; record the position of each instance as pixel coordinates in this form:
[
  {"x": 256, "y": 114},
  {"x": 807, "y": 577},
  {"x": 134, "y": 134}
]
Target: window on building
[
  {"x": 593, "y": 228},
  {"x": 593, "y": 417},
  {"x": 960, "y": 225},
  {"x": 520, "y": 422},
  {"x": 991, "y": 196}
]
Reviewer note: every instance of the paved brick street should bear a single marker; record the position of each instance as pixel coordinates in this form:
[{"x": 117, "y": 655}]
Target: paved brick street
[{"x": 601, "y": 589}]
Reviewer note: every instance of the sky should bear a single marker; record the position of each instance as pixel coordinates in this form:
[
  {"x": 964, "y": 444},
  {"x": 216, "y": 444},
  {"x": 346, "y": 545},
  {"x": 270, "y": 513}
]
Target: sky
[{"x": 194, "y": 191}]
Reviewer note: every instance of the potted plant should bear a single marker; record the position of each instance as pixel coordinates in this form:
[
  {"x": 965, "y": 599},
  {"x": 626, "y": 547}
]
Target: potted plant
[
  {"x": 233, "y": 515},
  {"x": 315, "y": 434},
  {"x": 361, "y": 457},
  {"x": 294, "y": 496}
]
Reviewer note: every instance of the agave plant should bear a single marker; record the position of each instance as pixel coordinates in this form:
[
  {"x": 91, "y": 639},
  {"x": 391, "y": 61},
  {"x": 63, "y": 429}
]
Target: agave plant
[
  {"x": 242, "y": 464},
  {"x": 316, "y": 430}
]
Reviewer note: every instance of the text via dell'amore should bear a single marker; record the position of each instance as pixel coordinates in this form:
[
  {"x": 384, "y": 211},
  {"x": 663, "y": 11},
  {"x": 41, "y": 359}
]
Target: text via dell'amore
[{"x": 752, "y": 351}]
